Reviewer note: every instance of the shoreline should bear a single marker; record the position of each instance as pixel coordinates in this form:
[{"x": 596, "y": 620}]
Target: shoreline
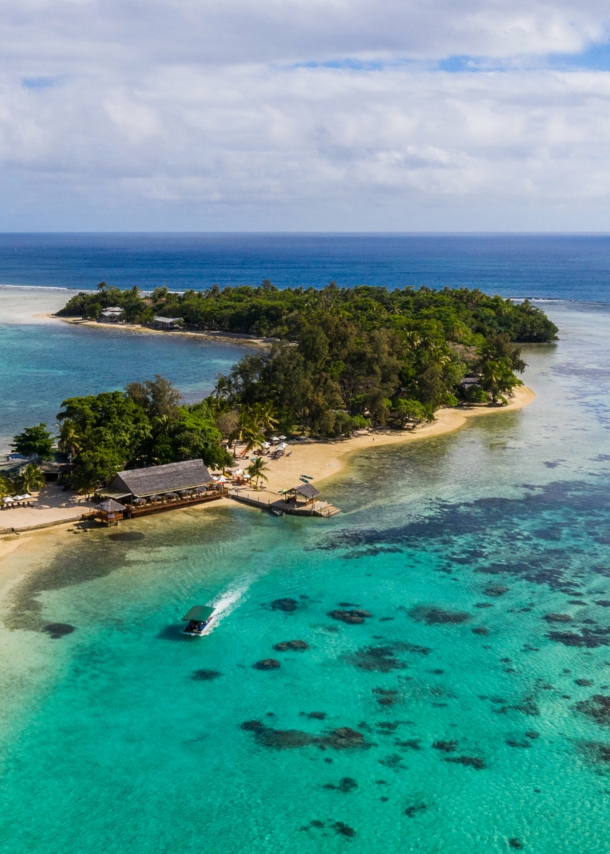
[
  {"x": 138, "y": 329},
  {"x": 319, "y": 460}
]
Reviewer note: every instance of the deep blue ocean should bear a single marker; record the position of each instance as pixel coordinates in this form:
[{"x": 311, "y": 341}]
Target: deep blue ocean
[
  {"x": 545, "y": 266},
  {"x": 480, "y": 685}
]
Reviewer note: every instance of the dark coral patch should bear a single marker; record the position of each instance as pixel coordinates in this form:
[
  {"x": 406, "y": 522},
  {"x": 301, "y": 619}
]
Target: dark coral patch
[
  {"x": 518, "y": 742},
  {"x": 412, "y": 810},
  {"x": 596, "y": 751},
  {"x": 267, "y": 664},
  {"x": 287, "y": 604},
  {"x": 604, "y": 603},
  {"x": 59, "y": 630},
  {"x": 315, "y": 716},
  {"x": 408, "y": 743},
  {"x": 445, "y": 746},
  {"x": 597, "y": 708},
  {"x": 343, "y": 738},
  {"x": 584, "y": 683},
  {"x": 481, "y": 630},
  {"x": 437, "y": 616},
  {"x": 558, "y": 618},
  {"x": 284, "y": 646},
  {"x": 346, "y": 785},
  {"x": 515, "y": 843},
  {"x": 469, "y": 761},
  {"x": 377, "y": 658},
  {"x": 495, "y": 590},
  {"x": 590, "y": 638},
  {"x": 343, "y": 829},
  {"x": 205, "y": 675},
  {"x": 354, "y": 617}
]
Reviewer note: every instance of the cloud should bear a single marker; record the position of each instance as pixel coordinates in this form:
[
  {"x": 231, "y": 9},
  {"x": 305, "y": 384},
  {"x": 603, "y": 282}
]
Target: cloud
[{"x": 301, "y": 114}]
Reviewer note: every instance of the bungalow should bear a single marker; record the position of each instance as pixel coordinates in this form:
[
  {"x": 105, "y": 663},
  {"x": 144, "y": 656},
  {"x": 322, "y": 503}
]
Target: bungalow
[
  {"x": 167, "y": 322},
  {"x": 137, "y": 485},
  {"x": 112, "y": 314}
]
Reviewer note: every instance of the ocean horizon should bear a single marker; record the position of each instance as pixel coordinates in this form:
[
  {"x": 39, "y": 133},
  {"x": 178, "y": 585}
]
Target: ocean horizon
[{"x": 539, "y": 266}]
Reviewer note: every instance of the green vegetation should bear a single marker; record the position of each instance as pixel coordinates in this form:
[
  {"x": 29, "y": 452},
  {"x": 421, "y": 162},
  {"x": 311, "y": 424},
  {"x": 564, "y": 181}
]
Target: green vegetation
[
  {"x": 34, "y": 442},
  {"x": 29, "y": 478},
  {"x": 257, "y": 469},
  {"x": 144, "y": 425},
  {"x": 342, "y": 359}
]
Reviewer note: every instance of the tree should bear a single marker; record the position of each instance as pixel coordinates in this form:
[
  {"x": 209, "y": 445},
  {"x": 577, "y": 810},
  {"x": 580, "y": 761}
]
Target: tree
[
  {"x": 227, "y": 423},
  {"x": 96, "y": 468},
  {"x": 70, "y": 438},
  {"x": 195, "y": 436},
  {"x": 252, "y": 437},
  {"x": 7, "y": 487},
  {"x": 34, "y": 442},
  {"x": 409, "y": 410},
  {"x": 263, "y": 415},
  {"x": 498, "y": 378},
  {"x": 31, "y": 478},
  {"x": 93, "y": 311},
  {"x": 158, "y": 397},
  {"x": 257, "y": 469}
]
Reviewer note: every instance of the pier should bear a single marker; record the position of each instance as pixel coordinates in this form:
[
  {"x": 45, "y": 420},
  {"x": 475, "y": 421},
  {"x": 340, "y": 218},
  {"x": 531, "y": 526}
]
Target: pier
[{"x": 266, "y": 500}]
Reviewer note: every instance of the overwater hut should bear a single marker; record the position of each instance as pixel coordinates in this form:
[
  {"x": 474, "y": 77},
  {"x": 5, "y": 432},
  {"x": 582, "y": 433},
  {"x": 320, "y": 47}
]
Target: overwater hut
[
  {"x": 302, "y": 495},
  {"x": 109, "y": 512},
  {"x": 133, "y": 485}
]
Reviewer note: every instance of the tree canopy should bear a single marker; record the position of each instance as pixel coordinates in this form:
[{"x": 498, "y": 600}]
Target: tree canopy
[
  {"x": 34, "y": 441},
  {"x": 341, "y": 358}
]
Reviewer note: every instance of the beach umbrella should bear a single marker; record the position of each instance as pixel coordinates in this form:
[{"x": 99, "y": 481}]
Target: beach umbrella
[{"x": 7, "y": 500}]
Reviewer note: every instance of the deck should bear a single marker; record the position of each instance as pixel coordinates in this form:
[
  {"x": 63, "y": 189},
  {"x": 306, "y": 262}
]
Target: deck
[{"x": 264, "y": 499}]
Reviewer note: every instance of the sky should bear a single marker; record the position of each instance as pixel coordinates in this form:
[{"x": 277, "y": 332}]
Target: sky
[{"x": 304, "y": 115}]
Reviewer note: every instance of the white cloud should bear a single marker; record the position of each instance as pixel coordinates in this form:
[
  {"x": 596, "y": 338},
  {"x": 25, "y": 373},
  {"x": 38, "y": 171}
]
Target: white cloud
[{"x": 192, "y": 114}]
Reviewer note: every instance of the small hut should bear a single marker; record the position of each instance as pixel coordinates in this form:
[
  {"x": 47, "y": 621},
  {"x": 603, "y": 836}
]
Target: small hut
[
  {"x": 303, "y": 494},
  {"x": 109, "y": 512},
  {"x": 168, "y": 322}
]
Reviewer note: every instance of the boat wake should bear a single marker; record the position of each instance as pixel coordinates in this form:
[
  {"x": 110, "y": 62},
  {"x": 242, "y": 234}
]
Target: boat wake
[{"x": 226, "y": 602}]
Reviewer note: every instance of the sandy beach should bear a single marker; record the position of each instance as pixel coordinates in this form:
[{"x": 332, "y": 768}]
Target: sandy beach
[
  {"x": 320, "y": 460},
  {"x": 136, "y": 328}
]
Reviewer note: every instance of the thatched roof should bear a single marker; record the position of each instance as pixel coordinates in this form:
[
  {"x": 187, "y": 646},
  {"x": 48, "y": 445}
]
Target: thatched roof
[
  {"x": 110, "y": 506},
  {"x": 161, "y": 479},
  {"x": 307, "y": 490}
]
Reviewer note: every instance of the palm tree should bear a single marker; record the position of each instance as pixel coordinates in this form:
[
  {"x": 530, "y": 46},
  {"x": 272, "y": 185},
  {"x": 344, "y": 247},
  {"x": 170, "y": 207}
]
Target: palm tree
[
  {"x": 253, "y": 438},
  {"x": 32, "y": 479},
  {"x": 263, "y": 414},
  {"x": 70, "y": 438},
  {"x": 7, "y": 487},
  {"x": 257, "y": 468}
]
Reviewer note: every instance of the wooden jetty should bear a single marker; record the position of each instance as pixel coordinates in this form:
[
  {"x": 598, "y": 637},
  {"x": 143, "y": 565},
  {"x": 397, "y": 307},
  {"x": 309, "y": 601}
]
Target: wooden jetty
[{"x": 296, "y": 502}]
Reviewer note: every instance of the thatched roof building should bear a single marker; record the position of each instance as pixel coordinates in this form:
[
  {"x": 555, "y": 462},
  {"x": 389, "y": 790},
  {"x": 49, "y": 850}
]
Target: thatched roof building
[
  {"x": 158, "y": 480},
  {"x": 304, "y": 490}
]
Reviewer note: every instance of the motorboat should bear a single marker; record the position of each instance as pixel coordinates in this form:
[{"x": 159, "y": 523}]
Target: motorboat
[{"x": 197, "y": 620}]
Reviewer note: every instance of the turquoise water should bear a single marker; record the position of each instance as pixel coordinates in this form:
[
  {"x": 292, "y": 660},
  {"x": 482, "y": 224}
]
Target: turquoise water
[
  {"x": 43, "y": 363},
  {"x": 460, "y": 547}
]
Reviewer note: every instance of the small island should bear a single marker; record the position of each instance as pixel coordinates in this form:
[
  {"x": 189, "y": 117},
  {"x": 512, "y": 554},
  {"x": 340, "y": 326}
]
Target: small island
[{"x": 342, "y": 362}]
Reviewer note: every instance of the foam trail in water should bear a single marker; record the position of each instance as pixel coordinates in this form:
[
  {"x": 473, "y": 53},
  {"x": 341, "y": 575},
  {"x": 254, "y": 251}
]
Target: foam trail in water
[{"x": 226, "y": 602}]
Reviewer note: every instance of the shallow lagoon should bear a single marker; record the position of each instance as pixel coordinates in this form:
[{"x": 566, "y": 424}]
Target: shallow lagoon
[{"x": 111, "y": 745}]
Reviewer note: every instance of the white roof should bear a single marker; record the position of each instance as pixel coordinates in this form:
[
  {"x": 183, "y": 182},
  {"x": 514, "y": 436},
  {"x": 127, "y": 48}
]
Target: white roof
[{"x": 167, "y": 319}]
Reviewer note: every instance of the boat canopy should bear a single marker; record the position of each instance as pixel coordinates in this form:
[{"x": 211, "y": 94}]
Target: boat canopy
[{"x": 199, "y": 613}]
